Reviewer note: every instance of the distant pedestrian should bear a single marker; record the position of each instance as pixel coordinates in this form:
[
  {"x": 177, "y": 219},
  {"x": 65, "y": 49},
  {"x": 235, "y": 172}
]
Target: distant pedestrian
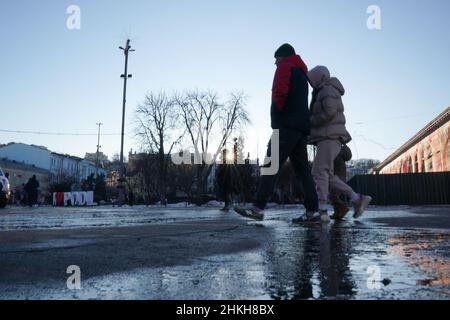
[
  {"x": 328, "y": 133},
  {"x": 290, "y": 115},
  {"x": 224, "y": 182},
  {"x": 31, "y": 188},
  {"x": 130, "y": 198},
  {"x": 23, "y": 195}
]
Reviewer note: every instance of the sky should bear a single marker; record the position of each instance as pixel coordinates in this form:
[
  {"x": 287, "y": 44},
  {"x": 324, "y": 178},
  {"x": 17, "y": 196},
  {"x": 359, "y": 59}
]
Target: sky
[{"x": 58, "y": 80}]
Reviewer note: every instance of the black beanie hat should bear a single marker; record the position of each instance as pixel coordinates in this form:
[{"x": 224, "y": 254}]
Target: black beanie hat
[{"x": 286, "y": 50}]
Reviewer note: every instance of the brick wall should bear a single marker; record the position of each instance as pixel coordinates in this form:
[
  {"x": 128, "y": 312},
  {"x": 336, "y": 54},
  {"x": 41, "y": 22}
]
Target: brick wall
[{"x": 432, "y": 154}]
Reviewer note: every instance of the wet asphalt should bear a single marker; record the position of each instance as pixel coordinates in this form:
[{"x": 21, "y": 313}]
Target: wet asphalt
[{"x": 202, "y": 253}]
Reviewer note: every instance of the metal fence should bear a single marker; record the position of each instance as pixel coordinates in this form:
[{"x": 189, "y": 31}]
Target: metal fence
[{"x": 405, "y": 189}]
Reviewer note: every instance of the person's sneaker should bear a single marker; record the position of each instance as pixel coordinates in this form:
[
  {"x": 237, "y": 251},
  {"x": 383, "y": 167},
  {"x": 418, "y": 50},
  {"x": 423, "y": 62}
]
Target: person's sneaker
[
  {"x": 340, "y": 210},
  {"x": 308, "y": 217},
  {"x": 324, "y": 217},
  {"x": 360, "y": 205},
  {"x": 252, "y": 212}
]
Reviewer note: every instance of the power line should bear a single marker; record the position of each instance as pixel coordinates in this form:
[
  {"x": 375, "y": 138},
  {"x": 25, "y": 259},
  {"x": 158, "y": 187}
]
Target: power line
[
  {"x": 356, "y": 147},
  {"x": 374, "y": 142},
  {"x": 57, "y": 133},
  {"x": 390, "y": 118}
]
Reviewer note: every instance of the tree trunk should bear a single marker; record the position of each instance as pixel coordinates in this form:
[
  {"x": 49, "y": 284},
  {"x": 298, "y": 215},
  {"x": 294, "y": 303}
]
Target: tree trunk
[{"x": 200, "y": 185}]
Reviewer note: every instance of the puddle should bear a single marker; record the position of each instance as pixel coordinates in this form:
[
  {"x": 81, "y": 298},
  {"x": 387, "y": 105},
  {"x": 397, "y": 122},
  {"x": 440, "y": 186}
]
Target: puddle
[{"x": 347, "y": 260}]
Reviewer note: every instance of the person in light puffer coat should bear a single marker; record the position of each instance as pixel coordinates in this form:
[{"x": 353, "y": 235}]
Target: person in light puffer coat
[
  {"x": 328, "y": 133},
  {"x": 327, "y": 110}
]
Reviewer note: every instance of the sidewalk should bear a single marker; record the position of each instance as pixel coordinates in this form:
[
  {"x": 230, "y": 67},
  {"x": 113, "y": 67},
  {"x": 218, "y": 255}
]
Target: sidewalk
[{"x": 140, "y": 253}]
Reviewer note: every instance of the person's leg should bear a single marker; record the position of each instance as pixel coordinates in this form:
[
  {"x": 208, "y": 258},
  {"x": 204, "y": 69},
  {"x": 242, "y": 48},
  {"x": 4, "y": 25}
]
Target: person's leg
[
  {"x": 338, "y": 187},
  {"x": 360, "y": 202},
  {"x": 299, "y": 159},
  {"x": 323, "y": 166},
  {"x": 340, "y": 206},
  {"x": 287, "y": 141},
  {"x": 336, "y": 194},
  {"x": 227, "y": 200},
  {"x": 340, "y": 168},
  {"x": 30, "y": 199}
]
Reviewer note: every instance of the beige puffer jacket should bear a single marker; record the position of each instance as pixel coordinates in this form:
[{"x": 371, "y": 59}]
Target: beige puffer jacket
[{"x": 327, "y": 109}]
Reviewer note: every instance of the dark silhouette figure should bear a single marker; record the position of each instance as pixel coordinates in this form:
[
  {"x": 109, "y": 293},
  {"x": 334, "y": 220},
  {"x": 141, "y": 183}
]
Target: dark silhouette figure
[
  {"x": 130, "y": 198},
  {"x": 290, "y": 115},
  {"x": 31, "y": 189},
  {"x": 319, "y": 269},
  {"x": 225, "y": 181},
  {"x": 23, "y": 195}
]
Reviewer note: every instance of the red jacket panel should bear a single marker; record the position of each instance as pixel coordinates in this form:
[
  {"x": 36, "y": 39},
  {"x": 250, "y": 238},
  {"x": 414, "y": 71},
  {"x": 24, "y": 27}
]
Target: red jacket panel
[{"x": 280, "y": 88}]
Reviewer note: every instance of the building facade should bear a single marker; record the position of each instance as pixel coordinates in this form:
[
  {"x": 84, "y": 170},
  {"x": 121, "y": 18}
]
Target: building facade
[
  {"x": 19, "y": 174},
  {"x": 57, "y": 165},
  {"x": 427, "y": 151}
]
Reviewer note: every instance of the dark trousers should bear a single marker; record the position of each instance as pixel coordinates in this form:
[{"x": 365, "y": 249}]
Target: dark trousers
[
  {"x": 293, "y": 146},
  {"x": 32, "y": 198}
]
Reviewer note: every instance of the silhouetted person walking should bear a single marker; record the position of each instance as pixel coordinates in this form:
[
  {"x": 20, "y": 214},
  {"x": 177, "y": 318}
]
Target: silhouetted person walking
[
  {"x": 224, "y": 182},
  {"x": 290, "y": 115},
  {"x": 31, "y": 189},
  {"x": 130, "y": 198}
]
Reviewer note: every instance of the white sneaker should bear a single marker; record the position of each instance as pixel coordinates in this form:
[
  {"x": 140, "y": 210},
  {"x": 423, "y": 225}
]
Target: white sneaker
[
  {"x": 324, "y": 216},
  {"x": 360, "y": 205},
  {"x": 251, "y": 212},
  {"x": 313, "y": 217},
  {"x": 308, "y": 217}
]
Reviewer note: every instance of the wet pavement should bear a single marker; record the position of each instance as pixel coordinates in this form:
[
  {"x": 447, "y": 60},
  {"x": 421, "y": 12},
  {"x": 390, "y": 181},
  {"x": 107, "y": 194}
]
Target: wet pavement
[{"x": 190, "y": 253}]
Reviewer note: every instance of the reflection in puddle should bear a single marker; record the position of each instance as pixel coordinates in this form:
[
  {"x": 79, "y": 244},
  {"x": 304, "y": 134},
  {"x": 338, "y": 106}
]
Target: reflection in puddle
[
  {"x": 434, "y": 282},
  {"x": 421, "y": 251},
  {"x": 332, "y": 263},
  {"x": 316, "y": 266}
]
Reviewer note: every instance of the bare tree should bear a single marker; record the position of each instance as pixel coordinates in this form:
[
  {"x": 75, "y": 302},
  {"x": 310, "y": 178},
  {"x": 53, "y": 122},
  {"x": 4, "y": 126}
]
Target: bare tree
[
  {"x": 145, "y": 176},
  {"x": 156, "y": 128},
  {"x": 209, "y": 123},
  {"x": 183, "y": 179}
]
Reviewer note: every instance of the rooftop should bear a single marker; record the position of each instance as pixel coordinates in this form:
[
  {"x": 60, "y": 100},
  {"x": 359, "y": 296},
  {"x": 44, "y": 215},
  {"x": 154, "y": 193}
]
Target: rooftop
[{"x": 11, "y": 164}]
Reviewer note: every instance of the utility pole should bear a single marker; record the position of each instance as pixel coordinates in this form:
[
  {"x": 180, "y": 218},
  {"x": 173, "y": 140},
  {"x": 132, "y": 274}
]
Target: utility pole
[
  {"x": 99, "y": 124},
  {"x": 125, "y": 77}
]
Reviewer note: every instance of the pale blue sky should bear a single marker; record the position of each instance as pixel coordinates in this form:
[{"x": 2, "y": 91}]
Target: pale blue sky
[{"x": 53, "y": 79}]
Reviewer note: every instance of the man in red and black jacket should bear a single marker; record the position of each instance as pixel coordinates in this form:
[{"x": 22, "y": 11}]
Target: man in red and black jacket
[
  {"x": 290, "y": 89},
  {"x": 290, "y": 115}
]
